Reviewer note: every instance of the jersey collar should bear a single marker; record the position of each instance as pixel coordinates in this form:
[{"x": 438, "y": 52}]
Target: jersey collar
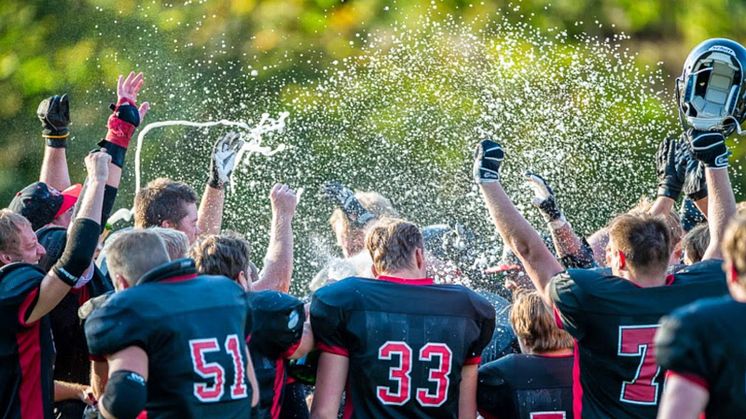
[{"x": 406, "y": 281}]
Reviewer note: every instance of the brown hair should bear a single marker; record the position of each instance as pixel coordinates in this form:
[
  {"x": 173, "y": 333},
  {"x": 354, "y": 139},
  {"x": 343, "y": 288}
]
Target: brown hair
[
  {"x": 10, "y": 230},
  {"x": 734, "y": 247},
  {"x": 534, "y": 325},
  {"x": 133, "y": 253},
  {"x": 162, "y": 200},
  {"x": 222, "y": 254},
  {"x": 695, "y": 242},
  {"x": 391, "y": 243},
  {"x": 671, "y": 218},
  {"x": 644, "y": 239}
]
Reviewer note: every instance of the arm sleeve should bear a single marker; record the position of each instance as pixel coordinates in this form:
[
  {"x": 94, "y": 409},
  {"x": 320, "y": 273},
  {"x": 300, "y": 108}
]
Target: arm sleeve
[
  {"x": 493, "y": 393},
  {"x": 486, "y": 321},
  {"x": 568, "y": 299},
  {"x": 115, "y": 326},
  {"x": 327, "y": 322},
  {"x": 679, "y": 348},
  {"x": 19, "y": 290}
]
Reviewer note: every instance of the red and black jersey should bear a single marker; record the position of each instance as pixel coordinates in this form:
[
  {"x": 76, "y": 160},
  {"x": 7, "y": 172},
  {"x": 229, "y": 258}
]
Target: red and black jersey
[
  {"x": 614, "y": 323},
  {"x": 406, "y": 340},
  {"x": 522, "y": 386},
  {"x": 26, "y": 349},
  {"x": 705, "y": 343},
  {"x": 276, "y": 332},
  {"x": 193, "y": 330}
]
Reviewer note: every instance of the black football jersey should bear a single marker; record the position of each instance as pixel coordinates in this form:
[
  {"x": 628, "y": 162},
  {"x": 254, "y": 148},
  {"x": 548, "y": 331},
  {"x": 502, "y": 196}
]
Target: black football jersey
[
  {"x": 26, "y": 349},
  {"x": 277, "y": 329},
  {"x": 614, "y": 323},
  {"x": 406, "y": 340},
  {"x": 705, "y": 343},
  {"x": 193, "y": 329},
  {"x": 522, "y": 386}
]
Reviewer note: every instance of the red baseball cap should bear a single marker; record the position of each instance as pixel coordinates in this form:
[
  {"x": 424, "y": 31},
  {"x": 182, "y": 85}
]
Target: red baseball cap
[{"x": 69, "y": 198}]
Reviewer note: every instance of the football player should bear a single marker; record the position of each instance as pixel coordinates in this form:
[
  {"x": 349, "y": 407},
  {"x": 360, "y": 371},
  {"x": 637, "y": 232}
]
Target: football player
[
  {"x": 181, "y": 333},
  {"x": 401, "y": 345},
  {"x": 614, "y": 316},
  {"x": 704, "y": 348},
  {"x": 539, "y": 379}
]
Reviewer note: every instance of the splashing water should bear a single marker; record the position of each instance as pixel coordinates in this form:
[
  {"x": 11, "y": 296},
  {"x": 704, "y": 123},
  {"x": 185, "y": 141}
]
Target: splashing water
[{"x": 252, "y": 138}]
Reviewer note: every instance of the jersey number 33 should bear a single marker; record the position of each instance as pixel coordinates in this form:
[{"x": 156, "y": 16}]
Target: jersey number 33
[{"x": 399, "y": 390}]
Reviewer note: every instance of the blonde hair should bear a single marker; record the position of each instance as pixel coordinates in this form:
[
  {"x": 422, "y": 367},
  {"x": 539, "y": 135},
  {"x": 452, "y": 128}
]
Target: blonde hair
[
  {"x": 177, "y": 243},
  {"x": 534, "y": 325},
  {"x": 11, "y": 224},
  {"x": 133, "y": 253},
  {"x": 734, "y": 247},
  {"x": 391, "y": 243}
]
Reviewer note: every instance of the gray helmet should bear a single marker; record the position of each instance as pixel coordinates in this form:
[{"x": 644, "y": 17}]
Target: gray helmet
[{"x": 711, "y": 90}]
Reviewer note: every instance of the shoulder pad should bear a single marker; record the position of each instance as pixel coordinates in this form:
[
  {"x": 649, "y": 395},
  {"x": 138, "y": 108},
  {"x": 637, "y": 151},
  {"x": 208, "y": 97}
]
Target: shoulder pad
[
  {"x": 16, "y": 280},
  {"x": 277, "y": 322}
]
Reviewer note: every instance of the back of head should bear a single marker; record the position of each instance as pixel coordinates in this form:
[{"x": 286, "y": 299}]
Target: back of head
[
  {"x": 222, "y": 254},
  {"x": 734, "y": 247},
  {"x": 162, "y": 200},
  {"x": 695, "y": 243},
  {"x": 10, "y": 231},
  {"x": 392, "y": 244},
  {"x": 645, "y": 241},
  {"x": 534, "y": 325},
  {"x": 176, "y": 242},
  {"x": 671, "y": 218},
  {"x": 133, "y": 253}
]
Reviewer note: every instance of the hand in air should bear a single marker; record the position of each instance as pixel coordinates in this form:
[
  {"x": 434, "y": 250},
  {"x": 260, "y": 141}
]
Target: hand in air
[
  {"x": 127, "y": 90},
  {"x": 544, "y": 197},
  {"x": 487, "y": 160},
  {"x": 223, "y": 159},
  {"x": 283, "y": 199},
  {"x": 54, "y": 114},
  {"x": 97, "y": 165}
]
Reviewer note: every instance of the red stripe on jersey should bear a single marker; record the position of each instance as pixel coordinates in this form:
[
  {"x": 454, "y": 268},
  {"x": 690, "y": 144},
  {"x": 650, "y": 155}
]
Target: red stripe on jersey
[
  {"x": 291, "y": 350},
  {"x": 336, "y": 350},
  {"x": 557, "y": 318},
  {"x": 692, "y": 378},
  {"x": 577, "y": 387},
  {"x": 553, "y": 355},
  {"x": 27, "y": 307},
  {"x": 277, "y": 388},
  {"x": 143, "y": 415},
  {"x": 180, "y": 278},
  {"x": 29, "y": 358},
  {"x": 473, "y": 360},
  {"x": 407, "y": 281},
  {"x": 349, "y": 409}
]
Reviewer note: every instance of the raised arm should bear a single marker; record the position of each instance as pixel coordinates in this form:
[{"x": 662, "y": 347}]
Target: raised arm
[
  {"x": 54, "y": 114},
  {"x": 222, "y": 163},
  {"x": 710, "y": 149},
  {"x": 515, "y": 231},
  {"x": 82, "y": 239},
  {"x": 278, "y": 263}
]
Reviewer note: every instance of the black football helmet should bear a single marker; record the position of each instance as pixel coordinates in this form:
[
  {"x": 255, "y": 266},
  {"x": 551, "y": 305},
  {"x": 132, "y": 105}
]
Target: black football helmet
[{"x": 711, "y": 90}]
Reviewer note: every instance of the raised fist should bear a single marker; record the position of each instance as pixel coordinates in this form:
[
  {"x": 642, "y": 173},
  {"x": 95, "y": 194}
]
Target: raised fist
[
  {"x": 54, "y": 114},
  {"x": 97, "y": 165},
  {"x": 487, "y": 160}
]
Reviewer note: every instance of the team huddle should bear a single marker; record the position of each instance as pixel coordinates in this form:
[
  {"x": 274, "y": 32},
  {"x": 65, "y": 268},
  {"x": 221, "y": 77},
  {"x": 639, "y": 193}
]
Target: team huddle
[{"x": 171, "y": 318}]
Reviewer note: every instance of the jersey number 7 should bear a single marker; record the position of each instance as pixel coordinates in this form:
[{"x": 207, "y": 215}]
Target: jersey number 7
[
  {"x": 215, "y": 372},
  {"x": 637, "y": 341},
  {"x": 399, "y": 393}
]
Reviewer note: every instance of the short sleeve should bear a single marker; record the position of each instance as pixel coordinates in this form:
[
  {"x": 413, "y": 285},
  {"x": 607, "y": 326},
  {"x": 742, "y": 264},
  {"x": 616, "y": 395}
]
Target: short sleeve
[
  {"x": 277, "y": 323},
  {"x": 567, "y": 297},
  {"x": 493, "y": 393},
  {"x": 114, "y": 326},
  {"x": 678, "y": 348},
  {"x": 486, "y": 321},
  {"x": 19, "y": 289},
  {"x": 327, "y": 322}
]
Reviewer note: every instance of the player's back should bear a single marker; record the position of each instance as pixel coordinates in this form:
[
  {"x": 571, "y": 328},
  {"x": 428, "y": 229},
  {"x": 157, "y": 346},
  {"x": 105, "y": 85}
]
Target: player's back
[
  {"x": 614, "y": 323},
  {"x": 524, "y": 386},
  {"x": 192, "y": 329},
  {"x": 407, "y": 342},
  {"x": 704, "y": 342}
]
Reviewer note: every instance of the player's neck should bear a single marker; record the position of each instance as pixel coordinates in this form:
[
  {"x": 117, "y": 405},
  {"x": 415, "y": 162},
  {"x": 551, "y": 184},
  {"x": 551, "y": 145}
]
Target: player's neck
[
  {"x": 646, "y": 280},
  {"x": 404, "y": 274},
  {"x": 558, "y": 352}
]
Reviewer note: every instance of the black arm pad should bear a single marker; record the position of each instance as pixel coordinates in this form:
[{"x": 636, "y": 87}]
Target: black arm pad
[
  {"x": 117, "y": 153},
  {"x": 125, "y": 394},
  {"x": 110, "y": 195},
  {"x": 82, "y": 240}
]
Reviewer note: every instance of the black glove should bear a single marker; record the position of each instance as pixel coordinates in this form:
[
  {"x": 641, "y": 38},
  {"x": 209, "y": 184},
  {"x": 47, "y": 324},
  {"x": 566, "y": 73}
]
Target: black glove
[
  {"x": 487, "y": 160},
  {"x": 544, "y": 199},
  {"x": 709, "y": 148},
  {"x": 695, "y": 184},
  {"x": 54, "y": 114},
  {"x": 670, "y": 168},
  {"x": 223, "y": 159},
  {"x": 345, "y": 199}
]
